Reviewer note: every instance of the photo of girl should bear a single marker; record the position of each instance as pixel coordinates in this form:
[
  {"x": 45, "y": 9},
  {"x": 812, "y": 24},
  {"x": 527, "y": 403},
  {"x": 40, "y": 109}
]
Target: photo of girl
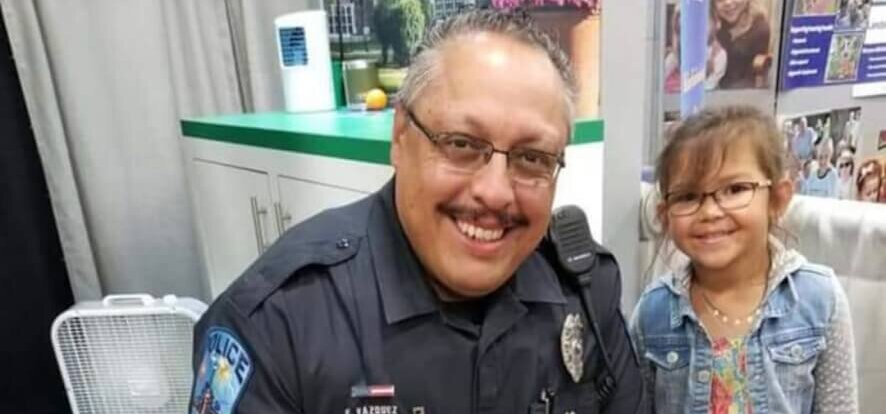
[
  {"x": 716, "y": 60},
  {"x": 742, "y": 27},
  {"x": 739, "y": 45},
  {"x": 747, "y": 324},
  {"x": 870, "y": 182}
]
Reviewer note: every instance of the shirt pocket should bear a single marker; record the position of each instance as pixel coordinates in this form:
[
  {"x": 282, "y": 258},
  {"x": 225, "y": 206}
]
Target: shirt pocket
[
  {"x": 794, "y": 360},
  {"x": 577, "y": 399},
  {"x": 671, "y": 365}
]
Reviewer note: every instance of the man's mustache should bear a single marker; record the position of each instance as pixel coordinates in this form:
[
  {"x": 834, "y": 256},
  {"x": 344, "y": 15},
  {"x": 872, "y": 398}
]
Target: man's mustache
[{"x": 504, "y": 218}]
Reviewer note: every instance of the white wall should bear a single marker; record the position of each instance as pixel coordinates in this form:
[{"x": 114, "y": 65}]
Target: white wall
[{"x": 626, "y": 102}]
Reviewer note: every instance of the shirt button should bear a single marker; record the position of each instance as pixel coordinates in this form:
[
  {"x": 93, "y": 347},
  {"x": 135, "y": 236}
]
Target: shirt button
[
  {"x": 704, "y": 376},
  {"x": 673, "y": 357},
  {"x": 343, "y": 244}
]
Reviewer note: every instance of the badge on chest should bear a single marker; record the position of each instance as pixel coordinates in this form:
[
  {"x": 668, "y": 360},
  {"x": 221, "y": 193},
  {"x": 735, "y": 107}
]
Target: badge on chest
[{"x": 572, "y": 346}]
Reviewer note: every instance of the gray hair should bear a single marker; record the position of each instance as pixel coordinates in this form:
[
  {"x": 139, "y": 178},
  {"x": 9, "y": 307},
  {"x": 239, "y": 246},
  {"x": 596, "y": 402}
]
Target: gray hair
[{"x": 516, "y": 25}]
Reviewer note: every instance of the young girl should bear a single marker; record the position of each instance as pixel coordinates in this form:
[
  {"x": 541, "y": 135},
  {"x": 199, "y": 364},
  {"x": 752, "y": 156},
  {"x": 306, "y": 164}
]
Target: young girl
[
  {"x": 743, "y": 30},
  {"x": 747, "y": 326},
  {"x": 870, "y": 181}
]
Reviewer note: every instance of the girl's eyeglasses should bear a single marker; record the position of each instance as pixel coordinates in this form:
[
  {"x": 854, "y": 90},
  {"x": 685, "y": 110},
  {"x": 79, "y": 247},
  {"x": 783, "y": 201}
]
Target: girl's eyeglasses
[{"x": 731, "y": 196}]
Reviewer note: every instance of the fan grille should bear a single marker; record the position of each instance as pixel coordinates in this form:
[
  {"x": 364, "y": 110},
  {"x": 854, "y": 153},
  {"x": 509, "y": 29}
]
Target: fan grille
[
  {"x": 128, "y": 364},
  {"x": 293, "y": 46}
]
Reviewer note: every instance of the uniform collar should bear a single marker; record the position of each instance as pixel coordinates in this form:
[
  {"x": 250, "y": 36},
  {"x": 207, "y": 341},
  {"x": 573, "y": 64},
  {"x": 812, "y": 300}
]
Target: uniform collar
[
  {"x": 401, "y": 282},
  {"x": 406, "y": 293}
]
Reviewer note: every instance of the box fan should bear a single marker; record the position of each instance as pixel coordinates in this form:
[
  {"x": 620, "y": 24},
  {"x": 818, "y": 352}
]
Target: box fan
[{"x": 127, "y": 354}]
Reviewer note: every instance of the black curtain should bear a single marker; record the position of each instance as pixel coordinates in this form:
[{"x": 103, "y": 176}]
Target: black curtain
[{"x": 34, "y": 285}]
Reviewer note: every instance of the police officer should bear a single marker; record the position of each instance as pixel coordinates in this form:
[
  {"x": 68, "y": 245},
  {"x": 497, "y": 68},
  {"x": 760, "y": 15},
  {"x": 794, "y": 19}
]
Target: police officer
[{"x": 429, "y": 296}]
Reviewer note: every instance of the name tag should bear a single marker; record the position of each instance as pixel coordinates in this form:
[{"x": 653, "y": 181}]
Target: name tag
[{"x": 372, "y": 399}]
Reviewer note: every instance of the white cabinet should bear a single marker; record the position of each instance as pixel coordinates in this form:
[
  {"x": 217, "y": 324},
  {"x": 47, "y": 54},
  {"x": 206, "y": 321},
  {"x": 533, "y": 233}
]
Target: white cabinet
[
  {"x": 233, "y": 209},
  {"x": 300, "y": 199},
  {"x": 245, "y": 197}
]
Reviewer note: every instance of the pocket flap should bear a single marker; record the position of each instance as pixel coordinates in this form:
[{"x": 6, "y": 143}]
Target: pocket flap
[
  {"x": 668, "y": 357},
  {"x": 577, "y": 398},
  {"x": 798, "y": 350}
]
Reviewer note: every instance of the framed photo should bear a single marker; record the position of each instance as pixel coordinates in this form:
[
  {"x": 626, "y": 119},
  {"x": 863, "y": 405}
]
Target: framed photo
[
  {"x": 843, "y": 58},
  {"x": 735, "y": 60}
]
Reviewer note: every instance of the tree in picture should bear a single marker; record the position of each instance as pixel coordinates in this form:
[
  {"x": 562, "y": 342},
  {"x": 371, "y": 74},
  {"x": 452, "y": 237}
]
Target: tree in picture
[
  {"x": 580, "y": 4},
  {"x": 399, "y": 25}
]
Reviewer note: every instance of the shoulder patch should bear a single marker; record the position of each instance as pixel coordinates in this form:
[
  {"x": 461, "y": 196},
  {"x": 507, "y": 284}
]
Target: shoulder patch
[{"x": 225, "y": 368}]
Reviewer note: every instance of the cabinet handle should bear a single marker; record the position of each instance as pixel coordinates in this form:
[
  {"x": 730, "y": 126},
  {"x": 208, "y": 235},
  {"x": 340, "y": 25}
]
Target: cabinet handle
[
  {"x": 257, "y": 212},
  {"x": 283, "y": 217}
]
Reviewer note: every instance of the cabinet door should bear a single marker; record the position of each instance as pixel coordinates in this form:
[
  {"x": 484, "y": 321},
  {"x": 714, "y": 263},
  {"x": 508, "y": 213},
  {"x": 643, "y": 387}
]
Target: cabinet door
[
  {"x": 301, "y": 199},
  {"x": 234, "y": 211}
]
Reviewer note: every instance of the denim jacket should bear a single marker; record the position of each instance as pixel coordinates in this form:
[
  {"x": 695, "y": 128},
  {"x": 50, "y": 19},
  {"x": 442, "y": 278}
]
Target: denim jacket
[{"x": 784, "y": 346}]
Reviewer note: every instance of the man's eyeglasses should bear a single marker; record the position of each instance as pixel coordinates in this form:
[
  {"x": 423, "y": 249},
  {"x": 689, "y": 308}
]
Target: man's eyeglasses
[
  {"x": 845, "y": 164},
  {"x": 731, "y": 196},
  {"x": 464, "y": 153}
]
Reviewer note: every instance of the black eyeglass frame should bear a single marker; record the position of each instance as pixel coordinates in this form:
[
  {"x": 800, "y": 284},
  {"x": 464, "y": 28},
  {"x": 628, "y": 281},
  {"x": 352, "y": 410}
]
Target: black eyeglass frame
[
  {"x": 436, "y": 137},
  {"x": 755, "y": 185}
]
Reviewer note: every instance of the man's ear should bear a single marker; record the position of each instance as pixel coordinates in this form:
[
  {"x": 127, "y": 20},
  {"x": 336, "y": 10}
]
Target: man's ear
[
  {"x": 398, "y": 135},
  {"x": 782, "y": 193}
]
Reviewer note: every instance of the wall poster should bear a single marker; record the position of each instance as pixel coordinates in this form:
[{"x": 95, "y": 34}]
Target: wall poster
[
  {"x": 835, "y": 42},
  {"x": 739, "y": 45}
]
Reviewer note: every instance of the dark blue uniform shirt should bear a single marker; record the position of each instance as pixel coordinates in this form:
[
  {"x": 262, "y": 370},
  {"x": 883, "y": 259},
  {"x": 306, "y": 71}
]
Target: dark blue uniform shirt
[{"x": 341, "y": 301}]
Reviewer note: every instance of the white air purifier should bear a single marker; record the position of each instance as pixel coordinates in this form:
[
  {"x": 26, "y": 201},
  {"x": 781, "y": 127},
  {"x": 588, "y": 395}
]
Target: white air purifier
[
  {"x": 303, "y": 49},
  {"x": 127, "y": 354}
]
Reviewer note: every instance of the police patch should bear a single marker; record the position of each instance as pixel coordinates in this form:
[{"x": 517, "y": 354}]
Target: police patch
[{"x": 224, "y": 370}]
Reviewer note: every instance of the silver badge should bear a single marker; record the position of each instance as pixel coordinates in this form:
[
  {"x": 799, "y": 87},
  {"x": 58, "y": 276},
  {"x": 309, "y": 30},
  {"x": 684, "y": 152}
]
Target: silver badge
[{"x": 571, "y": 345}]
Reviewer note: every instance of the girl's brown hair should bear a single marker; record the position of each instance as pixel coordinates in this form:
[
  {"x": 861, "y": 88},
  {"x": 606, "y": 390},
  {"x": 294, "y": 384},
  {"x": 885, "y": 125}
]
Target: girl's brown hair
[
  {"x": 699, "y": 146},
  {"x": 871, "y": 169},
  {"x": 701, "y": 143}
]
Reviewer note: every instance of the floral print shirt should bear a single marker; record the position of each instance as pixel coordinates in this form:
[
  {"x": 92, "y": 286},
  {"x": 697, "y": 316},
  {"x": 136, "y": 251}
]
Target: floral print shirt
[{"x": 729, "y": 380}]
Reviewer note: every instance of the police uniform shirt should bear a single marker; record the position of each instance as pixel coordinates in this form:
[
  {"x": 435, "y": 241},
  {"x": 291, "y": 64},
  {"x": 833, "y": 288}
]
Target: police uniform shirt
[{"x": 341, "y": 301}]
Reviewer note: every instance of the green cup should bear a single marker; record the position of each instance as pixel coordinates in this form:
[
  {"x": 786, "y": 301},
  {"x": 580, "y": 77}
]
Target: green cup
[
  {"x": 360, "y": 76},
  {"x": 338, "y": 84}
]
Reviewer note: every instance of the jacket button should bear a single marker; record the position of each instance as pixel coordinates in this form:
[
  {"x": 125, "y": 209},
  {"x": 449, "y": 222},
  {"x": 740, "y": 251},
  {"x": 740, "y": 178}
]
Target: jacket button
[
  {"x": 673, "y": 357},
  {"x": 796, "y": 351},
  {"x": 343, "y": 244},
  {"x": 704, "y": 376}
]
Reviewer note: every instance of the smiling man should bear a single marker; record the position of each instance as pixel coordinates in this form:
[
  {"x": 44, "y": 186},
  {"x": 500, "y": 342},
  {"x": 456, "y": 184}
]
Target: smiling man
[
  {"x": 430, "y": 296},
  {"x": 477, "y": 149}
]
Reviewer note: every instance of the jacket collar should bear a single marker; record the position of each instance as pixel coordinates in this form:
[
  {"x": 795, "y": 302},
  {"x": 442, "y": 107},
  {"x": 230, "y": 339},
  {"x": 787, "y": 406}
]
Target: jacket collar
[{"x": 781, "y": 296}]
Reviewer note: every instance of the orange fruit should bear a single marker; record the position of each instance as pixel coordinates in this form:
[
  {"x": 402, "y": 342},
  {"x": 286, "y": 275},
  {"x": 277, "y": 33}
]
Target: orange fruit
[{"x": 376, "y": 99}]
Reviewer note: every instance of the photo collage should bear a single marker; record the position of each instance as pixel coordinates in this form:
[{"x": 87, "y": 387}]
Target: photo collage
[{"x": 822, "y": 156}]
